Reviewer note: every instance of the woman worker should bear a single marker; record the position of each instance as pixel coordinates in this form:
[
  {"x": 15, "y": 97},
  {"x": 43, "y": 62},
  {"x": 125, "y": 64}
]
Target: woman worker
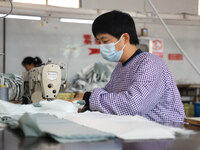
[
  {"x": 141, "y": 83},
  {"x": 30, "y": 62}
]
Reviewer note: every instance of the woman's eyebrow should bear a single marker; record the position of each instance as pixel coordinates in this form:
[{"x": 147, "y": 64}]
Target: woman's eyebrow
[{"x": 103, "y": 38}]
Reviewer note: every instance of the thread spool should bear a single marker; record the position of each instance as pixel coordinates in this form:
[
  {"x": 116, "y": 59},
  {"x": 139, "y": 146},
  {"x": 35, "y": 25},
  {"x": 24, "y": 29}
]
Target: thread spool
[{"x": 4, "y": 93}]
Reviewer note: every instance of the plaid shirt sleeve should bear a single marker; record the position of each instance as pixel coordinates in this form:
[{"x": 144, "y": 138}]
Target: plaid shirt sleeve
[{"x": 133, "y": 101}]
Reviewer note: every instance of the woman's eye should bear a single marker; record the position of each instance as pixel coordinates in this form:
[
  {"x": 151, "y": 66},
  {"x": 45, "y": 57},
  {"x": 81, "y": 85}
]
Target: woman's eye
[{"x": 105, "y": 42}]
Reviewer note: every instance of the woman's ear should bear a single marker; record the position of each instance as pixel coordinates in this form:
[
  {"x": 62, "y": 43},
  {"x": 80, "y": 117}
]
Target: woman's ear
[{"x": 126, "y": 38}]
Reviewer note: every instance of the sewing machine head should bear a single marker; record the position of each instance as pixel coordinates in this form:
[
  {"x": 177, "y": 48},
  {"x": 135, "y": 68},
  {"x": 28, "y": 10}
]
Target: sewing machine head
[{"x": 42, "y": 83}]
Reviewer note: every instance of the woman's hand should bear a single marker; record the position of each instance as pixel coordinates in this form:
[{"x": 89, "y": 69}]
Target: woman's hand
[{"x": 78, "y": 96}]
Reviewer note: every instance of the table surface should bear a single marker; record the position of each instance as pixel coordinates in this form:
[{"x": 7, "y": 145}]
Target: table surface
[{"x": 14, "y": 140}]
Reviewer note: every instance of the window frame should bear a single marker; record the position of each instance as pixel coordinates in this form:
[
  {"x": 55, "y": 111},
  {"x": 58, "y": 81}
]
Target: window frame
[{"x": 47, "y": 4}]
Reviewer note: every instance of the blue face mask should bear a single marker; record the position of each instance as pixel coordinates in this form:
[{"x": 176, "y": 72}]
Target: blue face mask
[{"x": 109, "y": 52}]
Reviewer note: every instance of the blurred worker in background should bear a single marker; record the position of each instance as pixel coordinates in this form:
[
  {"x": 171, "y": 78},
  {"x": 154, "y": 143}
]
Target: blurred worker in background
[
  {"x": 141, "y": 83},
  {"x": 30, "y": 62}
]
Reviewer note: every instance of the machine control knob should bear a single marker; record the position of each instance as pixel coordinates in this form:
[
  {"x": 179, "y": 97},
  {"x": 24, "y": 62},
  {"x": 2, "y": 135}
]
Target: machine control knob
[
  {"x": 49, "y": 85},
  {"x": 54, "y": 91}
]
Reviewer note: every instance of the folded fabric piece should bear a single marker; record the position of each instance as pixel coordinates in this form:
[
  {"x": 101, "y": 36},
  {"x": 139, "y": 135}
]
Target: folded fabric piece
[
  {"x": 14, "y": 84},
  {"x": 58, "y": 108},
  {"x": 123, "y": 127},
  {"x": 127, "y": 127},
  {"x": 36, "y": 125},
  {"x": 93, "y": 76},
  {"x": 11, "y": 122}
]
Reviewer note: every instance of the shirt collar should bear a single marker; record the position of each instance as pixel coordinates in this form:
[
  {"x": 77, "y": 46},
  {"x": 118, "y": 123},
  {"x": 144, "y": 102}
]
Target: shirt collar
[{"x": 134, "y": 55}]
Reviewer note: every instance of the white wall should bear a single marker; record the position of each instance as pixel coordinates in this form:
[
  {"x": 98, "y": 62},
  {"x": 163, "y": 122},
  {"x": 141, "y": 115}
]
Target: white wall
[
  {"x": 54, "y": 40},
  {"x": 1, "y": 45},
  {"x": 131, "y": 5},
  {"x": 188, "y": 36},
  {"x": 189, "y": 39},
  {"x": 29, "y": 38},
  {"x": 163, "y": 6},
  {"x": 175, "y": 6},
  {"x": 63, "y": 42}
]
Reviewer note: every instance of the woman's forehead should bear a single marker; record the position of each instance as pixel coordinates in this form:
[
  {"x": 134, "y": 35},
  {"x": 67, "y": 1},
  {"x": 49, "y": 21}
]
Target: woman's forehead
[{"x": 102, "y": 36}]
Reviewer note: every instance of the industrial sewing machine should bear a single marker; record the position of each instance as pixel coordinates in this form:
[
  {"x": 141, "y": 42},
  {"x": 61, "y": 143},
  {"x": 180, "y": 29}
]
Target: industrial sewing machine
[{"x": 41, "y": 83}]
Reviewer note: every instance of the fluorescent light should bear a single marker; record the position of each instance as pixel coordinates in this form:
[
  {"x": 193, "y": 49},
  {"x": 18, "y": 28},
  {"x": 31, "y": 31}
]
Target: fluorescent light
[
  {"x": 21, "y": 17},
  {"x": 76, "y": 20},
  {"x": 24, "y": 17},
  {"x": 1, "y": 15}
]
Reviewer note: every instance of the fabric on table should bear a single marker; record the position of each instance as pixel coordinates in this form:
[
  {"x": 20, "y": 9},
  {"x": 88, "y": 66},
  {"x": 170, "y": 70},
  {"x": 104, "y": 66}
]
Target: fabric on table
[
  {"x": 36, "y": 125},
  {"x": 123, "y": 127},
  {"x": 127, "y": 127},
  {"x": 58, "y": 108}
]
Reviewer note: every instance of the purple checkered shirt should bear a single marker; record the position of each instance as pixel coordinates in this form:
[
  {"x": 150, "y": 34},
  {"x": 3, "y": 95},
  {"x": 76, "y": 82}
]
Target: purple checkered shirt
[{"x": 145, "y": 87}]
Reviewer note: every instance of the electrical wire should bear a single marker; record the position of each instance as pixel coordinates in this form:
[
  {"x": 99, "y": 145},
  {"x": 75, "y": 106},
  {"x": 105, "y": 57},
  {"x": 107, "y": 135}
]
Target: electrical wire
[
  {"x": 11, "y": 9},
  {"x": 173, "y": 38}
]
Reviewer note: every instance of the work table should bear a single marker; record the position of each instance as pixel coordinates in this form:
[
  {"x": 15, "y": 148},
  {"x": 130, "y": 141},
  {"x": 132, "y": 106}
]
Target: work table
[{"x": 15, "y": 140}]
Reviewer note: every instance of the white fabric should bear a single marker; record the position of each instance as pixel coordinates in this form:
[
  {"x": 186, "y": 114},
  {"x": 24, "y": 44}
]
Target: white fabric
[
  {"x": 57, "y": 107},
  {"x": 126, "y": 127}
]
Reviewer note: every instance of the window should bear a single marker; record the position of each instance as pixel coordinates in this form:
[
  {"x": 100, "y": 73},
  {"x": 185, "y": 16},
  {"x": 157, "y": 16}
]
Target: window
[
  {"x": 64, "y": 3},
  {"x": 60, "y": 3},
  {"x": 31, "y": 1}
]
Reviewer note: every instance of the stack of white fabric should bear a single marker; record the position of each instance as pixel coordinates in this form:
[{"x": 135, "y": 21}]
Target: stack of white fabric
[
  {"x": 57, "y": 107},
  {"x": 123, "y": 127},
  {"x": 127, "y": 127}
]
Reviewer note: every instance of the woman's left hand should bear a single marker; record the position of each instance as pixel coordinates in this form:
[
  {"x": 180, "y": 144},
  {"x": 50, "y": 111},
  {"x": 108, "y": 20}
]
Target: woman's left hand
[{"x": 79, "y": 96}]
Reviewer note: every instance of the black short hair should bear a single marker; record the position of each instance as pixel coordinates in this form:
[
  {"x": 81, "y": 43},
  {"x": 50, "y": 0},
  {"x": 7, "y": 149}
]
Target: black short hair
[
  {"x": 30, "y": 60},
  {"x": 115, "y": 23}
]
